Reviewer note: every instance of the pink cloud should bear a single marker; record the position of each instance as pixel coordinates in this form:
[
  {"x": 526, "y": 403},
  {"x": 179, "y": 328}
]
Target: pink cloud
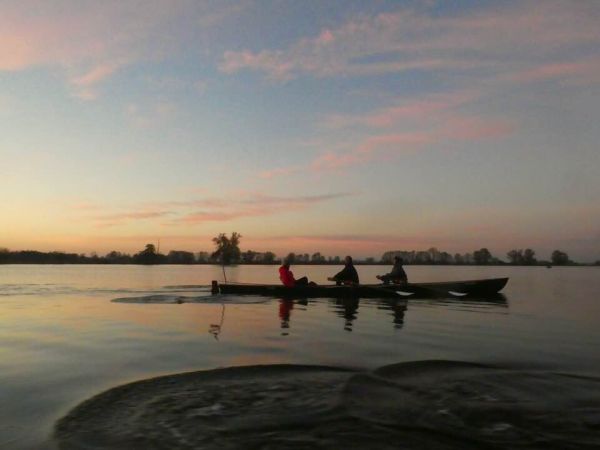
[
  {"x": 222, "y": 209},
  {"x": 326, "y": 37},
  {"x": 95, "y": 75},
  {"x": 90, "y": 41},
  {"x": 441, "y": 125},
  {"x": 428, "y": 108},
  {"x": 85, "y": 84},
  {"x": 383, "y": 147},
  {"x": 277, "y": 68},
  {"x": 473, "y": 128},
  {"x": 579, "y": 72},
  {"x": 498, "y": 39},
  {"x": 278, "y": 172},
  {"x": 373, "y": 148},
  {"x": 115, "y": 219},
  {"x": 386, "y": 146},
  {"x": 256, "y": 205}
]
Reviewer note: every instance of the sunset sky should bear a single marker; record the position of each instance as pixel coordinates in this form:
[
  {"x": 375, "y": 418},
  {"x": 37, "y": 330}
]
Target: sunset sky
[{"x": 345, "y": 127}]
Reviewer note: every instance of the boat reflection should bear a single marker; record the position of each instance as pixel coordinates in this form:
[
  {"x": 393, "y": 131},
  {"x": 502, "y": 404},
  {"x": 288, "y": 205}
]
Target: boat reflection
[
  {"x": 397, "y": 308},
  {"x": 347, "y": 308},
  {"x": 285, "y": 311}
]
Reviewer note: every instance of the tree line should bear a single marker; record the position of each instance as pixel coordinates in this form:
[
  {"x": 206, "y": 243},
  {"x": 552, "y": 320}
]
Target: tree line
[{"x": 227, "y": 251}]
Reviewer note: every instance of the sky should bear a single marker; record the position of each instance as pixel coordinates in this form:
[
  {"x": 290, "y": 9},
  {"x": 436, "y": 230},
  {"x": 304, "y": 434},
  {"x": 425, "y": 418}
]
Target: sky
[{"x": 344, "y": 127}]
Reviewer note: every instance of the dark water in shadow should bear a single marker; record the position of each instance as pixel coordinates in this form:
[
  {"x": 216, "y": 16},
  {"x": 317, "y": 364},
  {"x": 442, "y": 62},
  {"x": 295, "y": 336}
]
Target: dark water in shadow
[{"x": 428, "y": 404}]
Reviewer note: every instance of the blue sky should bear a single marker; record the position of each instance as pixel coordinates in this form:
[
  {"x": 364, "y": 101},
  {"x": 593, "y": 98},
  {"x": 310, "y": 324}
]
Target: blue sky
[{"x": 340, "y": 127}]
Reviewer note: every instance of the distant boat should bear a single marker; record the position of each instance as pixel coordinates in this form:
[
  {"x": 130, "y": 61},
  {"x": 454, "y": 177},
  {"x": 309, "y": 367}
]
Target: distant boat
[{"x": 437, "y": 289}]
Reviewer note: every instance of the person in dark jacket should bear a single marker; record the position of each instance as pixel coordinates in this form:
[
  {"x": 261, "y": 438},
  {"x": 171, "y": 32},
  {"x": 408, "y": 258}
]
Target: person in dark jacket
[
  {"x": 347, "y": 275},
  {"x": 397, "y": 275}
]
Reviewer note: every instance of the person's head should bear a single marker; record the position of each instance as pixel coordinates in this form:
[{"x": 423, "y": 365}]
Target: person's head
[
  {"x": 286, "y": 263},
  {"x": 348, "y": 260},
  {"x": 398, "y": 260}
]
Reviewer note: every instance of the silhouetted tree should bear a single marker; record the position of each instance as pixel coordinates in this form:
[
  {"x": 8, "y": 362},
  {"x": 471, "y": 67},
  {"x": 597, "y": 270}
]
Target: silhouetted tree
[
  {"x": 482, "y": 256},
  {"x": 559, "y": 258},
  {"x": 515, "y": 256},
  {"x": 202, "y": 257},
  {"x": 317, "y": 258},
  {"x": 529, "y": 257},
  {"x": 180, "y": 257},
  {"x": 269, "y": 258},
  {"x": 249, "y": 256},
  {"x": 291, "y": 257},
  {"x": 445, "y": 258},
  {"x": 434, "y": 254},
  {"x": 228, "y": 250},
  {"x": 149, "y": 256},
  {"x": 115, "y": 257}
]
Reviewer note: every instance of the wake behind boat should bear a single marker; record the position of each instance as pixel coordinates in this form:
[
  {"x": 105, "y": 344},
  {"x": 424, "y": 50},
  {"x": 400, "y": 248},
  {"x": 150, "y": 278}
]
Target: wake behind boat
[{"x": 488, "y": 286}]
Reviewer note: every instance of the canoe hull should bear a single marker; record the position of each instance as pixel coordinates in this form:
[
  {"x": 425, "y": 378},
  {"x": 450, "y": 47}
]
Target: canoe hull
[
  {"x": 468, "y": 287},
  {"x": 440, "y": 289},
  {"x": 277, "y": 290}
]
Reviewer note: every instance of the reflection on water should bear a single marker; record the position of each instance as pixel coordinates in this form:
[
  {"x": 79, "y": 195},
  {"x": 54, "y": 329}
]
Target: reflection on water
[
  {"x": 397, "y": 309},
  {"x": 285, "y": 311},
  {"x": 348, "y": 308},
  {"x": 62, "y": 340},
  {"x": 216, "y": 328}
]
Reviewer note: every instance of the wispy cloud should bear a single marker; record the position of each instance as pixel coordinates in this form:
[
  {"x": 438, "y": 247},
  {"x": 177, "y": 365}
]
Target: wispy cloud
[
  {"x": 433, "y": 119},
  {"x": 89, "y": 42},
  {"x": 85, "y": 85},
  {"x": 254, "y": 205},
  {"x": 279, "y": 172},
  {"x": 465, "y": 128},
  {"x": 428, "y": 108},
  {"x": 583, "y": 71},
  {"x": 201, "y": 210},
  {"x": 498, "y": 39},
  {"x": 116, "y": 219},
  {"x": 374, "y": 147}
]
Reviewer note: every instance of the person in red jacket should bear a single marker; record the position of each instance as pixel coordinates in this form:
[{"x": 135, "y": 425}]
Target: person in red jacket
[{"x": 287, "y": 277}]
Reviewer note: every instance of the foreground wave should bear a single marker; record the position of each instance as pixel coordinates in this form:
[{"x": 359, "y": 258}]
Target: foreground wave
[{"x": 427, "y": 404}]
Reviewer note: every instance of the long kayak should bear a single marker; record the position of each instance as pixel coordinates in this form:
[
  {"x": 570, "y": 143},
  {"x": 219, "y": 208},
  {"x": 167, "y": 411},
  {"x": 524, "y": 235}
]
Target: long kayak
[{"x": 438, "y": 289}]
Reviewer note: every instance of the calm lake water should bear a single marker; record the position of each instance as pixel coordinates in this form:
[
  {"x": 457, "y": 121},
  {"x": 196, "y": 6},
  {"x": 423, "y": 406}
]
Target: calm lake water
[{"x": 63, "y": 339}]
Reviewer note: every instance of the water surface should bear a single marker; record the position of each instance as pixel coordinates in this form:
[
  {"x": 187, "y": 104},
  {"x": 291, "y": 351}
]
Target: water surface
[{"x": 63, "y": 339}]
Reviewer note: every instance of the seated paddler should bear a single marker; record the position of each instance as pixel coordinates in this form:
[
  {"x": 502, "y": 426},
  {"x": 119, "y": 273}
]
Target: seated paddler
[
  {"x": 397, "y": 275},
  {"x": 348, "y": 275},
  {"x": 287, "y": 277}
]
